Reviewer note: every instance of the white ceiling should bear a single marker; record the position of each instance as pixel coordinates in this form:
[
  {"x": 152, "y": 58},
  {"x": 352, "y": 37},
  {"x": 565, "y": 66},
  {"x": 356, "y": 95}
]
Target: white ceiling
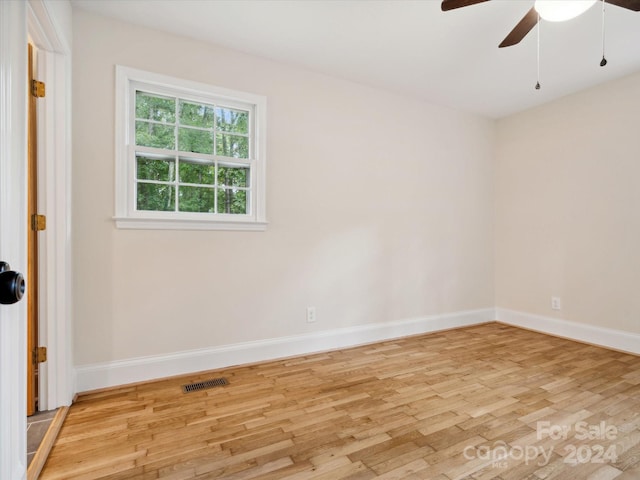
[{"x": 409, "y": 46}]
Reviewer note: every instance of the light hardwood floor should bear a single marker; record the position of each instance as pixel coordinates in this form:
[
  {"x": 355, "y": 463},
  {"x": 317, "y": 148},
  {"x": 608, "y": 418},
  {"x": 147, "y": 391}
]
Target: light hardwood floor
[{"x": 484, "y": 402}]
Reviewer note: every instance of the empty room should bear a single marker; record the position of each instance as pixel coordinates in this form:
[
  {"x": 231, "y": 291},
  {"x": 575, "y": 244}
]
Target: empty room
[{"x": 320, "y": 239}]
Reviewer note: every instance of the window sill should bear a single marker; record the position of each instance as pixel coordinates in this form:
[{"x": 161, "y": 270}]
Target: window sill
[{"x": 187, "y": 224}]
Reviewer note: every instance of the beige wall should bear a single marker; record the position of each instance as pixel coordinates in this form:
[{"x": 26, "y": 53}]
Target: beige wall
[
  {"x": 568, "y": 207},
  {"x": 380, "y": 209}
]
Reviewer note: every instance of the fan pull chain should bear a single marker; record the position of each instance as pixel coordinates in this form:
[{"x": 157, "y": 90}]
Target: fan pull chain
[
  {"x": 603, "y": 62},
  {"x": 538, "y": 57}
]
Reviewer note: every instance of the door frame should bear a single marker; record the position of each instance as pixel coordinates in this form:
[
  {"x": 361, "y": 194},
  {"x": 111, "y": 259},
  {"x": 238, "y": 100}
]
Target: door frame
[
  {"x": 45, "y": 21},
  {"x": 56, "y": 377}
]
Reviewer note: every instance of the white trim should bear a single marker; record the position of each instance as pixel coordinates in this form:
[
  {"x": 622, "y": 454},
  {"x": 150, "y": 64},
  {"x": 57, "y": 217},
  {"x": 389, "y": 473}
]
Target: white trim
[
  {"x": 56, "y": 382},
  {"x": 109, "y": 374},
  {"x": 605, "y": 337},
  {"x": 186, "y": 224},
  {"x": 55, "y": 258},
  {"x": 13, "y": 240},
  {"x": 122, "y": 372},
  {"x": 44, "y": 29}
]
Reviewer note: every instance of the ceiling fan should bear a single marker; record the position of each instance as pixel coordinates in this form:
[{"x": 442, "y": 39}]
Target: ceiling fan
[{"x": 546, "y": 9}]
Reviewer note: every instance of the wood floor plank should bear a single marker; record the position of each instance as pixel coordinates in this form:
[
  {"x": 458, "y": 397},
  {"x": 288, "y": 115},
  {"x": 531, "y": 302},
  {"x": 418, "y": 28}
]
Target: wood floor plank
[{"x": 458, "y": 404}]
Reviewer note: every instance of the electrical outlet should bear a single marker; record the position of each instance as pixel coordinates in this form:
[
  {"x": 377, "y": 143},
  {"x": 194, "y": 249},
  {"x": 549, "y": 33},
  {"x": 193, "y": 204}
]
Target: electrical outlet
[
  {"x": 311, "y": 314},
  {"x": 556, "y": 304}
]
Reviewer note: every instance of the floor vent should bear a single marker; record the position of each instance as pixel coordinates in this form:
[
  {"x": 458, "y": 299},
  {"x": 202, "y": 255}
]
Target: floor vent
[{"x": 196, "y": 387}]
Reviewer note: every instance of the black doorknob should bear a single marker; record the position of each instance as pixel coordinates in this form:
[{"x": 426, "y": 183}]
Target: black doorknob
[{"x": 11, "y": 285}]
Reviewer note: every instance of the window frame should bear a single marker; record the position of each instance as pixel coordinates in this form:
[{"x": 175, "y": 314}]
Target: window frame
[{"x": 127, "y": 216}]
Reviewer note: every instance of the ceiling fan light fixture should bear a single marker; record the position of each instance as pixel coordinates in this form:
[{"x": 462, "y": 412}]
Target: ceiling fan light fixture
[{"x": 562, "y": 10}]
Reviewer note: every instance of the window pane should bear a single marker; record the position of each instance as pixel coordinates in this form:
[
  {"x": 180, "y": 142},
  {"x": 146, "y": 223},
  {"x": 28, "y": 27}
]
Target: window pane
[
  {"x": 233, "y": 177},
  {"x": 152, "y": 169},
  {"x": 234, "y": 121},
  {"x": 155, "y": 135},
  {"x": 196, "y": 199},
  {"x": 232, "y": 201},
  {"x": 200, "y": 173},
  {"x": 197, "y": 141},
  {"x": 232, "y": 146},
  {"x": 153, "y": 196},
  {"x": 152, "y": 107},
  {"x": 196, "y": 114}
]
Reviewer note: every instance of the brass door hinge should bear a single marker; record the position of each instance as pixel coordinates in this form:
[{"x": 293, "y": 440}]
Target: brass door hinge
[
  {"x": 39, "y": 355},
  {"x": 38, "y": 222},
  {"x": 37, "y": 88}
]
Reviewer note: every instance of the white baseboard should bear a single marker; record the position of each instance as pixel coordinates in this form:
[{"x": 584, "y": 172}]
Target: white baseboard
[
  {"x": 122, "y": 372},
  {"x": 606, "y": 337}
]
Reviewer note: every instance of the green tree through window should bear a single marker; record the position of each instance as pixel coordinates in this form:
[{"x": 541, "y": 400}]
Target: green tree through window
[{"x": 191, "y": 156}]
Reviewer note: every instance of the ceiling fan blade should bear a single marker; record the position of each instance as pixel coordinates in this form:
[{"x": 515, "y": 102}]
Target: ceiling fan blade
[
  {"x": 628, "y": 4},
  {"x": 451, "y": 4},
  {"x": 523, "y": 27}
]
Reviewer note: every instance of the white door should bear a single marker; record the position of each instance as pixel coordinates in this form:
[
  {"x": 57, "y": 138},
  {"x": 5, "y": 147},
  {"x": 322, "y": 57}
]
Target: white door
[{"x": 13, "y": 110}]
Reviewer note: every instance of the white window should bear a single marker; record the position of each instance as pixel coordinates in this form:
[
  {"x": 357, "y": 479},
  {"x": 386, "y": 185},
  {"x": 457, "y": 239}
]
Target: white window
[{"x": 188, "y": 155}]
